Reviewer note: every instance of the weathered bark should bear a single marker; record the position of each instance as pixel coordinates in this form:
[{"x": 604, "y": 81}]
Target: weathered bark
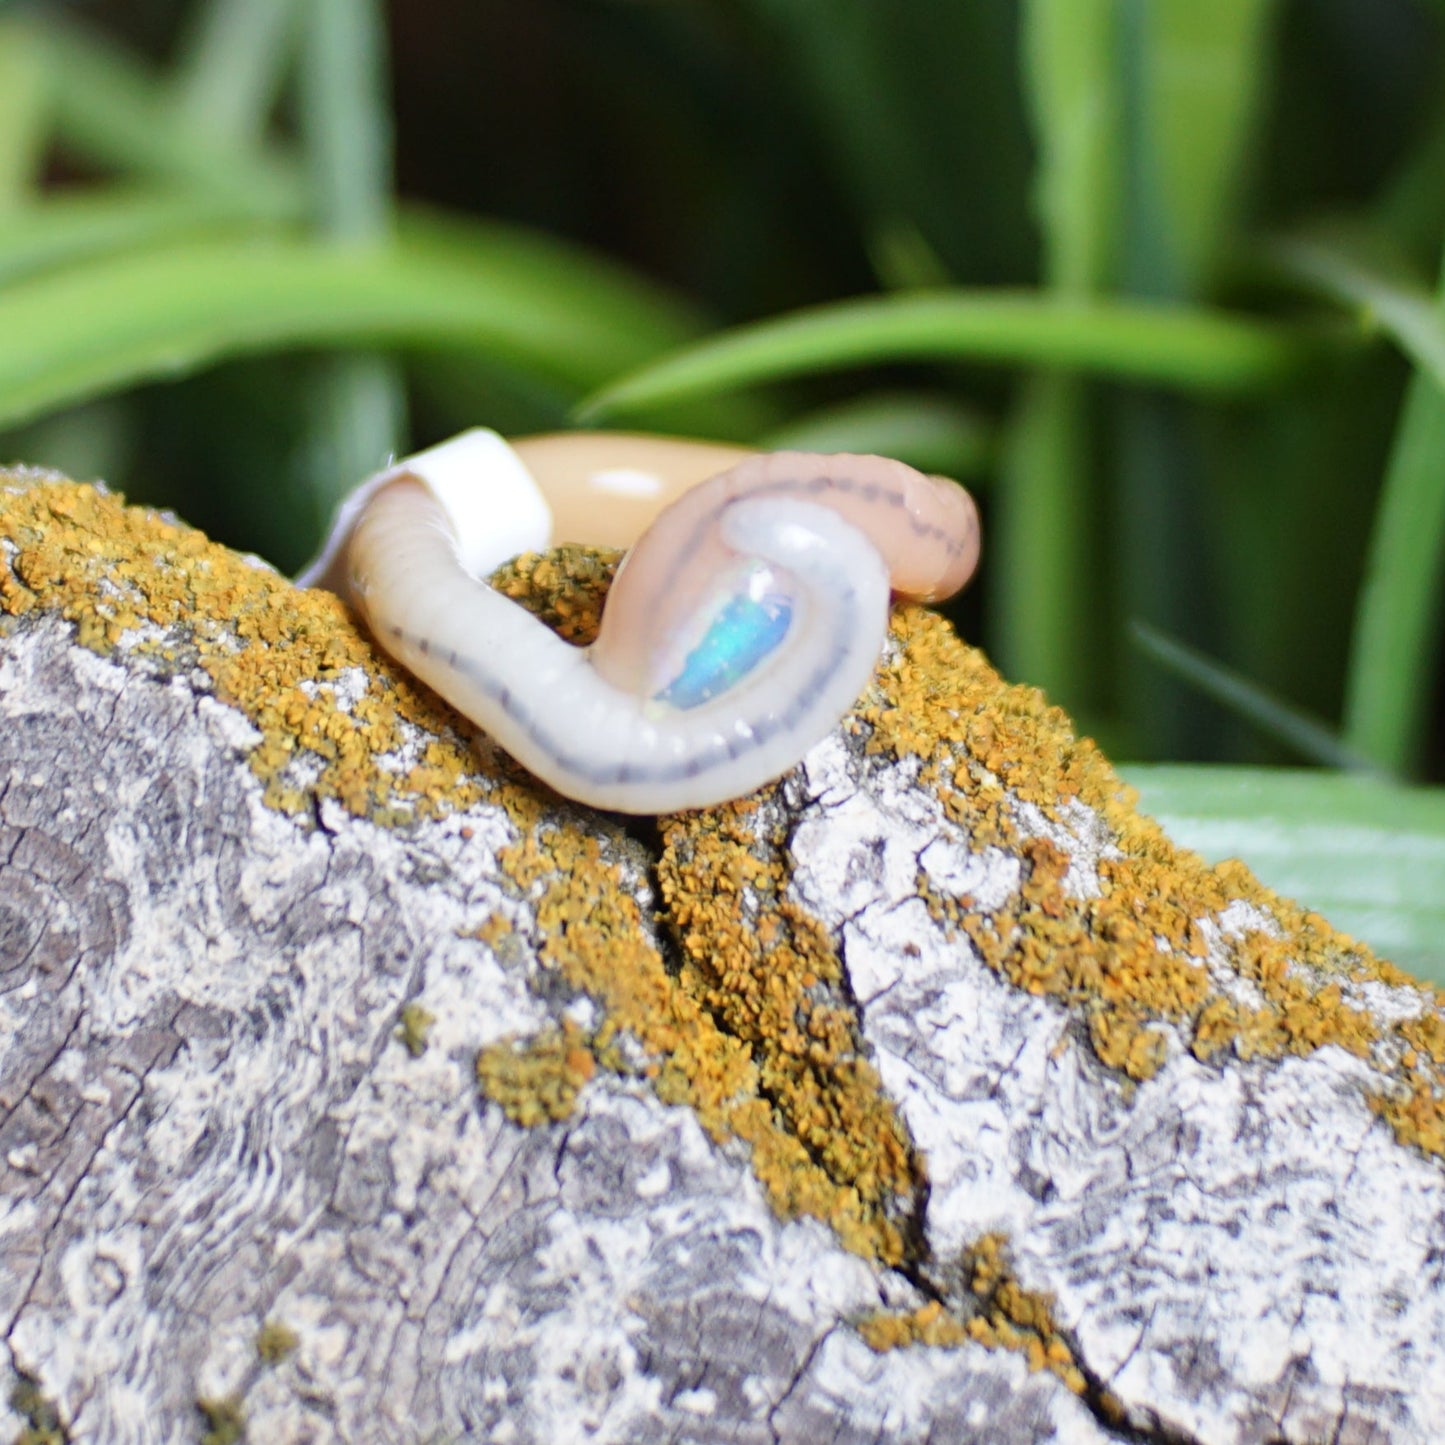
[{"x": 350, "y": 1082}]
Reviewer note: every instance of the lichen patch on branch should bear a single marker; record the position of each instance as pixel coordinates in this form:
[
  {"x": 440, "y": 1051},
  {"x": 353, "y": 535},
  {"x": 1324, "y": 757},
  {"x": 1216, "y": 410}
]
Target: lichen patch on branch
[
  {"x": 1149, "y": 946},
  {"x": 808, "y": 1133},
  {"x": 749, "y": 1021},
  {"x": 1005, "y": 1316},
  {"x": 336, "y": 719}
]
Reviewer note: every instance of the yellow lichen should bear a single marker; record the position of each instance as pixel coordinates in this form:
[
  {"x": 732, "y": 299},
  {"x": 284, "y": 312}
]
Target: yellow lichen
[
  {"x": 1133, "y": 957},
  {"x": 537, "y": 1079},
  {"x": 748, "y": 1025},
  {"x": 42, "y": 1419},
  {"x": 589, "y": 930},
  {"x": 750, "y": 1031},
  {"x": 770, "y": 977},
  {"x": 275, "y": 1341},
  {"x": 336, "y": 720},
  {"x": 930, "y": 1324},
  {"x": 1004, "y": 1315},
  {"x": 1011, "y": 1317},
  {"x": 225, "y": 1420},
  {"x": 414, "y": 1027}
]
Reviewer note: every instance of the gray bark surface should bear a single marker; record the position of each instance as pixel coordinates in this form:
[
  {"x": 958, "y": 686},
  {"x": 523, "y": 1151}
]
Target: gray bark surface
[{"x": 208, "y": 1122}]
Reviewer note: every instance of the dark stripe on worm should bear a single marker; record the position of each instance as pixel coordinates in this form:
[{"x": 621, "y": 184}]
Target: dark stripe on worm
[{"x": 721, "y": 751}]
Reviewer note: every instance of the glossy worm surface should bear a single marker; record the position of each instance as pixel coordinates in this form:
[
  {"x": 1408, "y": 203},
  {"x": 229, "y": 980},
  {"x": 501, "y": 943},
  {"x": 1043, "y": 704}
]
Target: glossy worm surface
[{"x": 740, "y": 628}]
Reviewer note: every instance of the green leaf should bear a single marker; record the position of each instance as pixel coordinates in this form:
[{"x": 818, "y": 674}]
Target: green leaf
[
  {"x": 1047, "y": 595},
  {"x": 1043, "y": 545},
  {"x": 109, "y": 109},
  {"x": 232, "y": 64},
  {"x": 1070, "y": 75},
  {"x": 1192, "y": 78},
  {"x": 1368, "y": 854},
  {"x": 344, "y": 119},
  {"x": 25, "y": 85},
  {"x": 360, "y": 408},
  {"x": 1391, "y": 679},
  {"x": 930, "y": 432},
  {"x": 71, "y": 227},
  {"x": 535, "y": 305},
  {"x": 1187, "y": 347}
]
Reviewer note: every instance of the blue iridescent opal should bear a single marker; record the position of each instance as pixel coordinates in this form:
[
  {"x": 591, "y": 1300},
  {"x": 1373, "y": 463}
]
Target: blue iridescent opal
[{"x": 743, "y": 633}]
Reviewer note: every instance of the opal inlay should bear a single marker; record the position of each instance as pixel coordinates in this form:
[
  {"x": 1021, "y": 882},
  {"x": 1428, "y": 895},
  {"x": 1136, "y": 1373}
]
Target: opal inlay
[{"x": 746, "y": 629}]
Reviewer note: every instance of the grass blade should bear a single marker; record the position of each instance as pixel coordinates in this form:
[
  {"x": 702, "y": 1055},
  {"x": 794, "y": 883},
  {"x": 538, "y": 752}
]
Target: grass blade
[
  {"x": 1196, "y": 77},
  {"x": 1380, "y": 299},
  {"x": 1069, "y": 50},
  {"x": 537, "y": 306},
  {"x": 1047, "y": 595},
  {"x": 344, "y": 119},
  {"x": 930, "y": 432},
  {"x": 1192, "y": 348},
  {"x": 1040, "y": 626},
  {"x": 1309, "y": 736},
  {"x": 1391, "y": 678},
  {"x": 1191, "y": 76},
  {"x": 69, "y": 228},
  {"x": 231, "y": 67},
  {"x": 347, "y": 131},
  {"x": 24, "y": 120},
  {"x": 111, "y": 111}
]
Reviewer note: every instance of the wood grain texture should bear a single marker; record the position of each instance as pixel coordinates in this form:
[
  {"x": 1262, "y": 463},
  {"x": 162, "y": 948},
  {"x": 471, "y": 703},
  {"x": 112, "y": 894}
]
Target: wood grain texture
[{"x": 208, "y": 1122}]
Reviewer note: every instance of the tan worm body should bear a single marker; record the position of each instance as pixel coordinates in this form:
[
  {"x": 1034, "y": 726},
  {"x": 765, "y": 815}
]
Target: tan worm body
[{"x": 740, "y": 628}]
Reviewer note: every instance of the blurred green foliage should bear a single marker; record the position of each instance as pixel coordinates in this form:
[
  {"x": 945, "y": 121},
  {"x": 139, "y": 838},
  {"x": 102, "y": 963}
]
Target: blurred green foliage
[{"x": 1156, "y": 277}]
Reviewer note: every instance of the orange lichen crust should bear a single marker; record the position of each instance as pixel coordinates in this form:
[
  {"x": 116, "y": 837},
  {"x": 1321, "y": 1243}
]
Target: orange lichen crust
[
  {"x": 1004, "y": 1316},
  {"x": 1134, "y": 956},
  {"x": 929, "y": 1324},
  {"x": 336, "y": 719},
  {"x": 750, "y": 1030},
  {"x": 589, "y": 929},
  {"x": 1013, "y": 1318},
  {"x": 770, "y": 976}
]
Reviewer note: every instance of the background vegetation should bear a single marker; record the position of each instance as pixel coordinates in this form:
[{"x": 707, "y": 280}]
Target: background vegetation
[{"x": 1156, "y": 278}]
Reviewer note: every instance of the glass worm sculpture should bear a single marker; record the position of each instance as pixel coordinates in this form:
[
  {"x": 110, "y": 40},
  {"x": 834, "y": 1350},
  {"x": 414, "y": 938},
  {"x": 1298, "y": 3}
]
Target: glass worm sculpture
[{"x": 743, "y": 623}]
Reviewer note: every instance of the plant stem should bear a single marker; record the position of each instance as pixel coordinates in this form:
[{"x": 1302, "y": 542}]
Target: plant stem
[
  {"x": 232, "y": 65},
  {"x": 1044, "y": 591},
  {"x": 1389, "y": 687},
  {"x": 361, "y": 402},
  {"x": 111, "y": 111},
  {"x": 24, "y": 117}
]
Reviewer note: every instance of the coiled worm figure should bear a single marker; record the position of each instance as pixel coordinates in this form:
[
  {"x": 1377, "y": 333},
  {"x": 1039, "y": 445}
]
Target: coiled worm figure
[{"x": 742, "y": 625}]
